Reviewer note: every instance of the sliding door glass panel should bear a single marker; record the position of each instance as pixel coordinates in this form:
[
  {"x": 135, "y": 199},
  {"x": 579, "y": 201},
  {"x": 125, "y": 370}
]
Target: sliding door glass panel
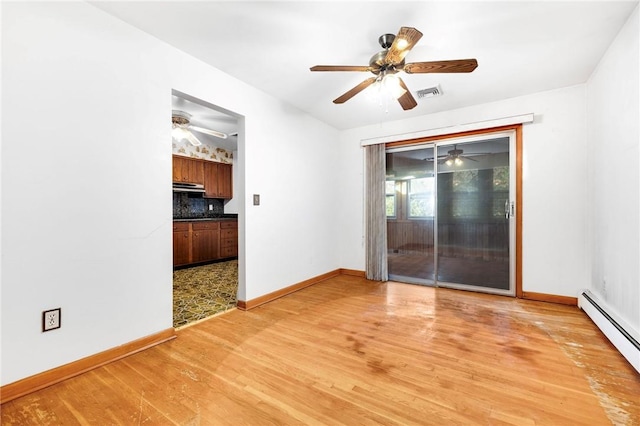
[
  {"x": 410, "y": 215},
  {"x": 473, "y": 202}
]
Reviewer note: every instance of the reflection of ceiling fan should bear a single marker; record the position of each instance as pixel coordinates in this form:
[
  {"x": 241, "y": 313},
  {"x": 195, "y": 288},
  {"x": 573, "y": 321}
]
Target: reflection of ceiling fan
[
  {"x": 389, "y": 61},
  {"x": 181, "y": 123},
  {"x": 455, "y": 156}
]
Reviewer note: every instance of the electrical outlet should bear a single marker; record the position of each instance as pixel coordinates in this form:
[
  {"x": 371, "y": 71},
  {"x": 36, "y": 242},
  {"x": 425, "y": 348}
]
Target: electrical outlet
[{"x": 51, "y": 319}]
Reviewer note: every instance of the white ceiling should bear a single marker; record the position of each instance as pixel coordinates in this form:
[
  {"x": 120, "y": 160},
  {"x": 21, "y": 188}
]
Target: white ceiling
[{"x": 521, "y": 47}]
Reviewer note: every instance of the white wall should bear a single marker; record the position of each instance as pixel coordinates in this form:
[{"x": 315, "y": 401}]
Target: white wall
[
  {"x": 86, "y": 183},
  {"x": 554, "y": 184},
  {"x": 233, "y": 205},
  {"x": 614, "y": 177}
]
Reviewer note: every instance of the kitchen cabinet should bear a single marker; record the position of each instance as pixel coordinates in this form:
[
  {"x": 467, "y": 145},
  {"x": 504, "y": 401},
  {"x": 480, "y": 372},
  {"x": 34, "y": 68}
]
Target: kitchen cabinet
[
  {"x": 225, "y": 188},
  {"x": 204, "y": 241},
  {"x": 228, "y": 239},
  {"x": 188, "y": 170},
  {"x": 181, "y": 243},
  {"x": 217, "y": 180}
]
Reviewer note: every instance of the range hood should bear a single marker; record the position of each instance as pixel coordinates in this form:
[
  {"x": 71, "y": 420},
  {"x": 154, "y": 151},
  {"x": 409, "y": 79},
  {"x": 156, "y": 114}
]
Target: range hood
[{"x": 188, "y": 187}]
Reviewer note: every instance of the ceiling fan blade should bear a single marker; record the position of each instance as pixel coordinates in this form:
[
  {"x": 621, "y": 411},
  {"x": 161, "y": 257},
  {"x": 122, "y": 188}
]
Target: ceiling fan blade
[
  {"x": 468, "y": 158},
  {"x": 458, "y": 65},
  {"x": 407, "y": 101},
  {"x": 406, "y": 38},
  {"x": 192, "y": 138},
  {"x": 341, "y": 68},
  {"x": 209, "y": 132},
  {"x": 351, "y": 93}
]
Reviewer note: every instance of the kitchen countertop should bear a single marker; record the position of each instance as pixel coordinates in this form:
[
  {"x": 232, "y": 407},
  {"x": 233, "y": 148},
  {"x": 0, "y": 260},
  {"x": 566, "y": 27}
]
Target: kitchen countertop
[{"x": 202, "y": 219}]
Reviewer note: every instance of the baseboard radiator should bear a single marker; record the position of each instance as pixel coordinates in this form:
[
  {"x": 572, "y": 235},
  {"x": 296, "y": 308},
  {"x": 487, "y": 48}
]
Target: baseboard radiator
[{"x": 620, "y": 334}]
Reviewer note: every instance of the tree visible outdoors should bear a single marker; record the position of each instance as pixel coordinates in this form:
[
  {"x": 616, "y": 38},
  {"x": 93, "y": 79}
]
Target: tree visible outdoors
[
  {"x": 421, "y": 197},
  {"x": 390, "y": 191},
  {"x": 500, "y": 190},
  {"x": 465, "y": 181},
  {"x": 501, "y": 178}
]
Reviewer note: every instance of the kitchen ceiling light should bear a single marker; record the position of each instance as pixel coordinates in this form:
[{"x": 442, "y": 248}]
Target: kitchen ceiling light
[{"x": 179, "y": 134}]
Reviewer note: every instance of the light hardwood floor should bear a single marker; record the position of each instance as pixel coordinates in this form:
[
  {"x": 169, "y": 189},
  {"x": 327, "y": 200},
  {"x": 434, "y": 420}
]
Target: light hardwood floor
[{"x": 349, "y": 351}]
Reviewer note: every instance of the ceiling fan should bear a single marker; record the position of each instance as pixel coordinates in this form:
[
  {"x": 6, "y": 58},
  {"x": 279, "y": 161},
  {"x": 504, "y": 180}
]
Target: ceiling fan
[
  {"x": 182, "y": 128},
  {"x": 389, "y": 61}
]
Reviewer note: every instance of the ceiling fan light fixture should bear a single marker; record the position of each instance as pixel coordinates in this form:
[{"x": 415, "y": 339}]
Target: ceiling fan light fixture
[
  {"x": 458, "y": 161},
  {"x": 392, "y": 85},
  {"x": 373, "y": 91},
  {"x": 179, "y": 133},
  {"x": 449, "y": 162},
  {"x": 402, "y": 43}
]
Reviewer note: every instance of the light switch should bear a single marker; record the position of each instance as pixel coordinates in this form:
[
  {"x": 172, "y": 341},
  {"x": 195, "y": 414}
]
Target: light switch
[{"x": 256, "y": 199}]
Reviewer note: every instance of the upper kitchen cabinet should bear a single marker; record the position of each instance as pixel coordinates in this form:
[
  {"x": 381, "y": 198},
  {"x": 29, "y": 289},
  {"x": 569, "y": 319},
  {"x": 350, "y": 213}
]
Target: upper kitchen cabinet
[
  {"x": 217, "y": 180},
  {"x": 188, "y": 170}
]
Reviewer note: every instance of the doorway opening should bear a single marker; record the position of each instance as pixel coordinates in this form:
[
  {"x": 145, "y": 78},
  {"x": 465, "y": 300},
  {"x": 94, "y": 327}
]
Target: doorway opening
[
  {"x": 451, "y": 212},
  {"x": 207, "y": 209}
]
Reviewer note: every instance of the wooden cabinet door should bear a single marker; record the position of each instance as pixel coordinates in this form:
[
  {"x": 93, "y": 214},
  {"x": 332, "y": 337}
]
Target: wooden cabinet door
[
  {"x": 188, "y": 170},
  {"x": 205, "y": 241},
  {"x": 217, "y": 180},
  {"x": 204, "y": 245},
  {"x": 181, "y": 246},
  {"x": 225, "y": 188},
  {"x": 195, "y": 171},
  {"x": 211, "y": 179},
  {"x": 177, "y": 168}
]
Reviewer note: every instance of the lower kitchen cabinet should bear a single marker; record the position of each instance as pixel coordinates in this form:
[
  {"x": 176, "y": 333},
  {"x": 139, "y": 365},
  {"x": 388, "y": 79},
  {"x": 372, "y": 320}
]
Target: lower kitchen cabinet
[
  {"x": 228, "y": 239},
  {"x": 181, "y": 243},
  {"x": 204, "y": 241}
]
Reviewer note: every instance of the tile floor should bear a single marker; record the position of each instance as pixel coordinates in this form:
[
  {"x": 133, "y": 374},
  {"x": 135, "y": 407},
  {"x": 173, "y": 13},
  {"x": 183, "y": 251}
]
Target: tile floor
[{"x": 203, "y": 291}]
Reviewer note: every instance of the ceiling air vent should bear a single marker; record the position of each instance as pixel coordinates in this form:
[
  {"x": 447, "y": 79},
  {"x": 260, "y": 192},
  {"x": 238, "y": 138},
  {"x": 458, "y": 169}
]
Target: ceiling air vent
[{"x": 429, "y": 92}]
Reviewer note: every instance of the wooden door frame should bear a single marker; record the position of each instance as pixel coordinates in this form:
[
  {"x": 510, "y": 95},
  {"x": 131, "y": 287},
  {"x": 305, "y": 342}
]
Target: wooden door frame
[{"x": 518, "y": 131}]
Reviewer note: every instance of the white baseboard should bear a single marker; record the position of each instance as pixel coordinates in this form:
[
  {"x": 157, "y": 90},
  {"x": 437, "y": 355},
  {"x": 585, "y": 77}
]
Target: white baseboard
[{"x": 623, "y": 337}]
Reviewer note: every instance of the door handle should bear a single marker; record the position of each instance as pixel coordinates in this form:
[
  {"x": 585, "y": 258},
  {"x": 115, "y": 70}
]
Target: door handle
[{"x": 509, "y": 209}]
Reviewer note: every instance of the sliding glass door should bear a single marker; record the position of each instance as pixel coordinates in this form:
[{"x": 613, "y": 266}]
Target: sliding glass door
[
  {"x": 410, "y": 215},
  {"x": 450, "y": 216}
]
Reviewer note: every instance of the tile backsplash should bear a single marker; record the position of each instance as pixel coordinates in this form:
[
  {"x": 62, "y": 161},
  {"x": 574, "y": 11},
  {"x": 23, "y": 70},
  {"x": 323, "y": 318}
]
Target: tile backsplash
[{"x": 189, "y": 206}]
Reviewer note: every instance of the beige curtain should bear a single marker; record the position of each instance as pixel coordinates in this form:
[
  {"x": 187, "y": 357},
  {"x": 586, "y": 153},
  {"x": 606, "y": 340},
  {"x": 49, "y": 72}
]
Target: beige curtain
[{"x": 376, "y": 216}]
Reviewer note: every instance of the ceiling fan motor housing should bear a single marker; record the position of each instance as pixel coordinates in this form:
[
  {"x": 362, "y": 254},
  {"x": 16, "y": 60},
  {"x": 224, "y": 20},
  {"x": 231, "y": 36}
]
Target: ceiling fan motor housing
[
  {"x": 180, "y": 117},
  {"x": 377, "y": 61}
]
